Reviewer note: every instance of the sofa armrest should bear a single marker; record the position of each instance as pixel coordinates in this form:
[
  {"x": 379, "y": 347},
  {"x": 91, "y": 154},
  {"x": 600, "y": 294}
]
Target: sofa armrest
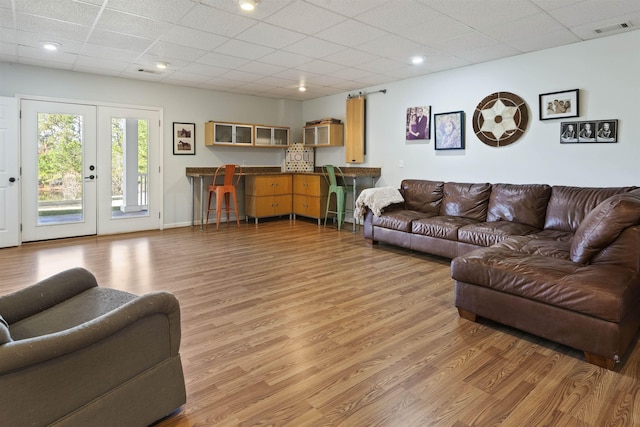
[
  {"x": 21, "y": 354},
  {"x": 45, "y": 294}
]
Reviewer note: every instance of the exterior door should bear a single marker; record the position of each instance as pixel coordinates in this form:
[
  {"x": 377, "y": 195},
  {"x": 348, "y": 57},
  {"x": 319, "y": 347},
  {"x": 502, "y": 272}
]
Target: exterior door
[
  {"x": 9, "y": 174},
  {"x": 130, "y": 185},
  {"x": 59, "y": 170}
]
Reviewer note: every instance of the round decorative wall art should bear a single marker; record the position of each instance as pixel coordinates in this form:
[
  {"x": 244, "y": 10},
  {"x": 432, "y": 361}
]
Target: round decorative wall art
[{"x": 500, "y": 119}]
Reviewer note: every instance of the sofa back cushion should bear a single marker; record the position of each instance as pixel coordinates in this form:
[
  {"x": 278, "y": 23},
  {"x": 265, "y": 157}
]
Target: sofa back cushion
[
  {"x": 422, "y": 195},
  {"x": 568, "y": 206},
  {"x": 524, "y": 204},
  {"x": 466, "y": 200},
  {"x": 603, "y": 225},
  {"x": 5, "y": 336}
]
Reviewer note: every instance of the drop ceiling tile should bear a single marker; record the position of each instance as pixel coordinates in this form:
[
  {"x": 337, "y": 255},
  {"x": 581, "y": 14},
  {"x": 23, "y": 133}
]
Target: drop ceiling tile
[
  {"x": 350, "y": 57},
  {"x": 395, "y": 47},
  {"x": 150, "y": 61},
  {"x": 349, "y": 8},
  {"x": 108, "y": 53},
  {"x": 51, "y": 28},
  {"x": 270, "y": 35},
  {"x": 350, "y": 73},
  {"x": 314, "y": 47},
  {"x": 485, "y": 54},
  {"x": 296, "y": 75},
  {"x": 204, "y": 70},
  {"x": 243, "y": 49},
  {"x": 464, "y": 43},
  {"x": 321, "y": 67},
  {"x": 240, "y": 75},
  {"x": 540, "y": 23},
  {"x": 554, "y": 4},
  {"x": 374, "y": 80},
  {"x": 87, "y": 62},
  {"x": 436, "y": 28},
  {"x": 285, "y": 59},
  {"x": 550, "y": 39},
  {"x": 216, "y": 21},
  {"x": 190, "y": 37},
  {"x": 99, "y": 71},
  {"x": 119, "y": 41},
  {"x": 138, "y": 26},
  {"x": 9, "y": 49},
  {"x": 62, "y": 10},
  {"x": 265, "y": 9},
  {"x": 38, "y": 53},
  {"x": 277, "y": 82},
  {"x": 587, "y": 31},
  {"x": 133, "y": 73},
  {"x": 486, "y": 13},
  {"x": 589, "y": 11},
  {"x": 256, "y": 87},
  {"x": 324, "y": 80},
  {"x": 163, "y": 10},
  {"x": 222, "y": 82},
  {"x": 351, "y": 33},
  {"x": 25, "y": 38},
  {"x": 262, "y": 68},
  {"x": 304, "y": 18},
  {"x": 381, "y": 65},
  {"x": 187, "y": 77},
  {"x": 45, "y": 63},
  {"x": 224, "y": 61},
  {"x": 170, "y": 50},
  {"x": 395, "y": 15}
]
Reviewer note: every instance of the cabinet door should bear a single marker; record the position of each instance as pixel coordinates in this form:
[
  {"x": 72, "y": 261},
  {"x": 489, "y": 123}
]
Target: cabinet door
[
  {"x": 263, "y": 135},
  {"x": 282, "y": 184},
  {"x": 309, "y": 136},
  {"x": 282, "y": 204}
]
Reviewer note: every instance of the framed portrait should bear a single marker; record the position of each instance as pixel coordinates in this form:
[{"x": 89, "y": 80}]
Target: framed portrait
[
  {"x": 449, "y": 130},
  {"x": 184, "y": 138},
  {"x": 418, "y": 125},
  {"x": 587, "y": 131},
  {"x": 558, "y": 105},
  {"x": 607, "y": 131},
  {"x": 569, "y": 132}
]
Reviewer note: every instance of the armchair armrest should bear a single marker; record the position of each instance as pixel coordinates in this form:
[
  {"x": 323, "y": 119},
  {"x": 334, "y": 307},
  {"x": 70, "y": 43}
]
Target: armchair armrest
[
  {"x": 21, "y": 354},
  {"x": 45, "y": 294}
]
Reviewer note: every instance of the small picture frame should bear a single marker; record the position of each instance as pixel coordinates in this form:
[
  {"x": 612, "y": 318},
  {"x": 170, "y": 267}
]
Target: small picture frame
[
  {"x": 559, "y": 105},
  {"x": 449, "y": 130},
  {"x": 418, "y": 125},
  {"x": 569, "y": 132},
  {"x": 607, "y": 131},
  {"x": 184, "y": 138},
  {"x": 587, "y": 131}
]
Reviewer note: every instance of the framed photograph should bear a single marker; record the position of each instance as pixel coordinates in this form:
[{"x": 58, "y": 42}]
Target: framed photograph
[
  {"x": 587, "y": 131},
  {"x": 607, "y": 131},
  {"x": 558, "y": 105},
  {"x": 449, "y": 130},
  {"x": 184, "y": 138},
  {"x": 418, "y": 124},
  {"x": 569, "y": 132}
]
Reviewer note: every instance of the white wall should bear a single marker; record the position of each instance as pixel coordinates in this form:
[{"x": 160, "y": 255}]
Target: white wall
[
  {"x": 180, "y": 104},
  {"x": 605, "y": 70}
]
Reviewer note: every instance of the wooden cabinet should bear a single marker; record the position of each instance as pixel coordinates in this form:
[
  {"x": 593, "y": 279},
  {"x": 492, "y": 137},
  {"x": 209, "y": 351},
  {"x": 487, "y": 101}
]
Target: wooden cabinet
[
  {"x": 324, "y": 135},
  {"x": 354, "y": 138},
  {"x": 216, "y": 133},
  {"x": 267, "y": 195},
  {"x": 310, "y": 196},
  {"x": 271, "y": 136}
]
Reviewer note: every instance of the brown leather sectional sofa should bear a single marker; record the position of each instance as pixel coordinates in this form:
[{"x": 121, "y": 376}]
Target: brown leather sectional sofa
[{"x": 559, "y": 262}]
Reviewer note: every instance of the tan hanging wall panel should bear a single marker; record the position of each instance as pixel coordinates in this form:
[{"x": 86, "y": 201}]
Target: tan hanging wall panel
[{"x": 355, "y": 142}]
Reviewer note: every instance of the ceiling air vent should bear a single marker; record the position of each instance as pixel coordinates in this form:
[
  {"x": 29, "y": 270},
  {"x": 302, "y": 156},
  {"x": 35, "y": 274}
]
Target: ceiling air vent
[
  {"x": 614, "y": 27},
  {"x": 144, "y": 70}
]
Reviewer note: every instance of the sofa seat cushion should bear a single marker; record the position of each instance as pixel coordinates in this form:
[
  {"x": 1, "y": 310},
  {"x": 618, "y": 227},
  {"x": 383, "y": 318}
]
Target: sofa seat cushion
[
  {"x": 467, "y": 200},
  {"x": 400, "y": 220},
  {"x": 75, "y": 311},
  {"x": 562, "y": 236},
  {"x": 562, "y": 283},
  {"x": 5, "y": 335},
  {"x": 490, "y": 233},
  {"x": 443, "y": 227},
  {"x": 533, "y": 245},
  {"x": 525, "y": 204}
]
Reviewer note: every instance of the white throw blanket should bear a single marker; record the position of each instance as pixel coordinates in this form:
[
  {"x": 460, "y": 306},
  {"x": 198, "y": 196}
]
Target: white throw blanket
[{"x": 376, "y": 199}]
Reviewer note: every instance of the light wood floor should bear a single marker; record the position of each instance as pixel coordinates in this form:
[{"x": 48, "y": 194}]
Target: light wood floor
[{"x": 288, "y": 323}]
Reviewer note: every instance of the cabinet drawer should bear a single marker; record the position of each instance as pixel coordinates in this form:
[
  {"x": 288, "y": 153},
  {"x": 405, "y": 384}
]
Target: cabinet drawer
[
  {"x": 310, "y": 185},
  {"x": 267, "y": 185}
]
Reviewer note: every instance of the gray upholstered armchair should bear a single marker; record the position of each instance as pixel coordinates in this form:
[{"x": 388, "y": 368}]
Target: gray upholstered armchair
[{"x": 75, "y": 354}]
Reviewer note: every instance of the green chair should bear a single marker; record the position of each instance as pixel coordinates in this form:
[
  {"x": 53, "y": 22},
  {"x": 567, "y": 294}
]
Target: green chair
[{"x": 331, "y": 174}]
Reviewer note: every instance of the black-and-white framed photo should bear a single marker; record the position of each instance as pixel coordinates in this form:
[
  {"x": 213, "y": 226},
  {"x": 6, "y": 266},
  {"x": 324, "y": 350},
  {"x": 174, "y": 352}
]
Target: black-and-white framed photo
[
  {"x": 449, "y": 130},
  {"x": 558, "y": 105},
  {"x": 184, "y": 138},
  {"x": 607, "y": 131},
  {"x": 418, "y": 123},
  {"x": 587, "y": 131},
  {"x": 569, "y": 132}
]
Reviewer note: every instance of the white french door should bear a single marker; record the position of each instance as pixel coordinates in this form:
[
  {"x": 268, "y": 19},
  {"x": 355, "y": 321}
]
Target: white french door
[
  {"x": 89, "y": 169},
  {"x": 59, "y": 170},
  {"x": 9, "y": 174}
]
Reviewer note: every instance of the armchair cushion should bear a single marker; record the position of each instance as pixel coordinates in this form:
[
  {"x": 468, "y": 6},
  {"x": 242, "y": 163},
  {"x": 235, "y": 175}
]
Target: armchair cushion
[{"x": 5, "y": 335}]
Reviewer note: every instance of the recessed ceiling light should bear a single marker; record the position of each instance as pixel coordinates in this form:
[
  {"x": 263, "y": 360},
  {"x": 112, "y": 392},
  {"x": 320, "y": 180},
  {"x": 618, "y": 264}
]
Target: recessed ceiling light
[
  {"x": 51, "y": 46},
  {"x": 302, "y": 89},
  {"x": 248, "y": 5},
  {"x": 162, "y": 65},
  {"x": 417, "y": 60}
]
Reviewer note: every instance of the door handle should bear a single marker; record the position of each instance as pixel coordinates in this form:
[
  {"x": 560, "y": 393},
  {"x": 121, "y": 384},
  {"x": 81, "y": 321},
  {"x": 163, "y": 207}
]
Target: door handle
[
  {"x": 90, "y": 177},
  {"x": 12, "y": 179}
]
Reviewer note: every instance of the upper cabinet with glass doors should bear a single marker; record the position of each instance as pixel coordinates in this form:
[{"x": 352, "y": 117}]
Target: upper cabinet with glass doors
[{"x": 243, "y": 134}]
